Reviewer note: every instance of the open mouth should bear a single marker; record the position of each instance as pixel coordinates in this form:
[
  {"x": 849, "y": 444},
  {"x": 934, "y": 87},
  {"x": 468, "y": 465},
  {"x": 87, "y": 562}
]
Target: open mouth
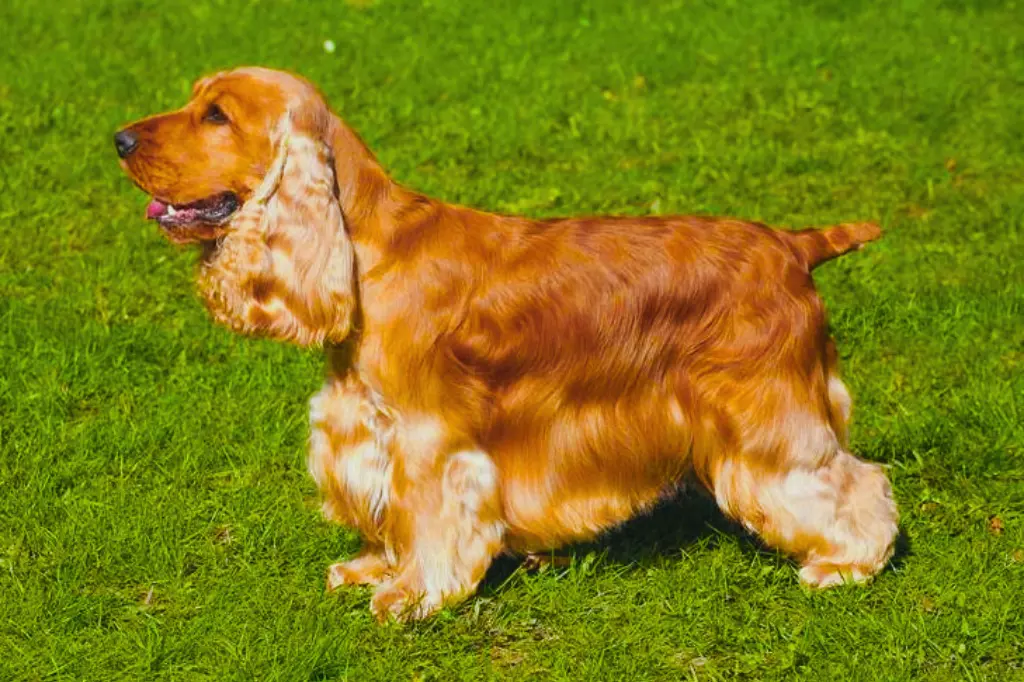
[{"x": 196, "y": 220}]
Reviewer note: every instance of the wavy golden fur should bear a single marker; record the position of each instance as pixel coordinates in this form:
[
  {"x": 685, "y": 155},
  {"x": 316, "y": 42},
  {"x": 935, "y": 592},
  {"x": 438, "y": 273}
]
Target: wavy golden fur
[{"x": 504, "y": 384}]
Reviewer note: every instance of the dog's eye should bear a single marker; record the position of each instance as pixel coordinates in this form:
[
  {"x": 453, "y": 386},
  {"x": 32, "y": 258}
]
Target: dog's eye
[{"x": 215, "y": 114}]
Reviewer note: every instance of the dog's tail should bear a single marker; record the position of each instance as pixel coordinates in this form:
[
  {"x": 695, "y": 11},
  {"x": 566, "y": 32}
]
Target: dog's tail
[{"x": 816, "y": 246}]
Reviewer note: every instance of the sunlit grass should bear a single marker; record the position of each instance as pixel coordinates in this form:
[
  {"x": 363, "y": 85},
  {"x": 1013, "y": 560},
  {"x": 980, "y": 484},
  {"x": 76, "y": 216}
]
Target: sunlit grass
[{"x": 156, "y": 520}]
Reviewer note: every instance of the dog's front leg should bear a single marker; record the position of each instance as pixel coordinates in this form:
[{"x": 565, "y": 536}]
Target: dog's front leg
[
  {"x": 370, "y": 567},
  {"x": 349, "y": 460},
  {"x": 446, "y": 522}
]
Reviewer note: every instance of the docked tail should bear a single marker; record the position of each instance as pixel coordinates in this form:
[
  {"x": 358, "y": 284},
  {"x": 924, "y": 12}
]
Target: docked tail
[{"x": 816, "y": 246}]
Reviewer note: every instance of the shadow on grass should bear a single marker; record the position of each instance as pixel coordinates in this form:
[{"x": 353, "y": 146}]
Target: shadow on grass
[
  {"x": 900, "y": 552},
  {"x": 688, "y": 519}
]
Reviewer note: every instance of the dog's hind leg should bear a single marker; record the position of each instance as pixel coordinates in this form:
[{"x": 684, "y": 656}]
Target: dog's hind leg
[
  {"x": 840, "y": 404},
  {"x": 814, "y": 500}
]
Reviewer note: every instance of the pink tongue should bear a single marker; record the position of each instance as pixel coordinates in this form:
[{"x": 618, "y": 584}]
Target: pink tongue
[{"x": 155, "y": 209}]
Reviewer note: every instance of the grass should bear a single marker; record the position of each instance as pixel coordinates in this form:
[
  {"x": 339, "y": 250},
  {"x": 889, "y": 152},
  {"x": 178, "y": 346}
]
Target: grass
[{"x": 156, "y": 520}]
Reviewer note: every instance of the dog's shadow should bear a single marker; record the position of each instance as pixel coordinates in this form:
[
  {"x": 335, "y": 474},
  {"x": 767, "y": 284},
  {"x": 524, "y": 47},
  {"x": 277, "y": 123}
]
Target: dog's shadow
[{"x": 688, "y": 519}]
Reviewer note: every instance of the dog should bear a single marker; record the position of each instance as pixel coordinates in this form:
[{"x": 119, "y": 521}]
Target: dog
[{"x": 501, "y": 384}]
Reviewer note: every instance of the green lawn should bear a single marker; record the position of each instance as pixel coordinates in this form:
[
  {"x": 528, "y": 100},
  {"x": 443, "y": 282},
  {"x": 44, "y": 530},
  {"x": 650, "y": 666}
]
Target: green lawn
[{"x": 156, "y": 520}]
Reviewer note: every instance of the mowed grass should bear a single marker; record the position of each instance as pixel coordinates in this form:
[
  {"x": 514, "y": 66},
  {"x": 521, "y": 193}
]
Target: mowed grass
[{"x": 156, "y": 520}]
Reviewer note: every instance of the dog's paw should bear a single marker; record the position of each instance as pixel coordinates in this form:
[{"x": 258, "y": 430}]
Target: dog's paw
[
  {"x": 400, "y": 603},
  {"x": 367, "y": 569},
  {"x": 823, "y": 575}
]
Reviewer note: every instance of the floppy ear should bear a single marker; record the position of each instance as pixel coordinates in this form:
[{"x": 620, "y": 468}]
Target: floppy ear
[{"x": 286, "y": 268}]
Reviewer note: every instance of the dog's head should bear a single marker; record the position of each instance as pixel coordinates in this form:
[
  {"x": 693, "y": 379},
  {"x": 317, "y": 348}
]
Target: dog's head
[
  {"x": 200, "y": 163},
  {"x": 248, "y": 163}
]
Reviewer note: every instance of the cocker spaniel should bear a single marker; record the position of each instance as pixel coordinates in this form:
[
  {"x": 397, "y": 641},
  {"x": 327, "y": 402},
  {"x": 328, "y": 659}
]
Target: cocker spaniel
[{"x": 502, "y": 384}]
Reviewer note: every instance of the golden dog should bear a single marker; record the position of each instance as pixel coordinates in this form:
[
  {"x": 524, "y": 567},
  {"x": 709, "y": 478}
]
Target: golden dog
[{"x": 505, "y": 384}]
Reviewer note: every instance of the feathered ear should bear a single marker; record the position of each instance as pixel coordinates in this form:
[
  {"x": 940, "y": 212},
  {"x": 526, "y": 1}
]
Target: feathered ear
[{"x": 287, "y": 267}]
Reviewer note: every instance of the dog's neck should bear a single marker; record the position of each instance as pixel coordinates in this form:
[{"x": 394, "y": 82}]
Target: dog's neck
[
  {"x": 362, "y": 181},
  {"x": 371, "y": 201},
  {"x": 364, "y": 188}
]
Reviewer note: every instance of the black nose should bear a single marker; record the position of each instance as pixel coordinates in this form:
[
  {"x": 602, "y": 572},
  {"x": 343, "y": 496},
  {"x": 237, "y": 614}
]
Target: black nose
[{"x": 126, "y": 141}]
